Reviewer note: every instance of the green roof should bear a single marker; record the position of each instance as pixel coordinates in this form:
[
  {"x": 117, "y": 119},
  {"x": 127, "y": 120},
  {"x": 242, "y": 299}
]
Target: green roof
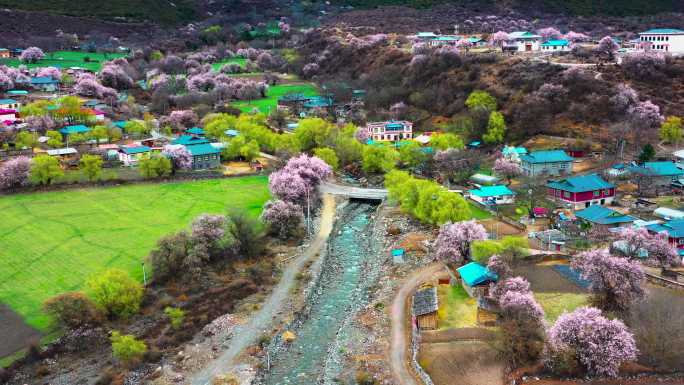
[
  {"x": 509, "y": 150},
  {"x": 581, "y": 183},
  {"x": 78, "y": 129},
  {"x": 474, "y": 274},
  {"x": 188, "y": 140},
  {"x": 548, "y": 156},
  {"x": 195, "y": 131},
  {"x": 603, "y": 215},
  {"x": 658, "y": 169},
  {"x": 492, "y": 191},
  {"x": 663, "y": 31},
  {"x": 202, "y": 149},
  {"x": 136, "y": 150},
  {"x": 555, "y": 43}
]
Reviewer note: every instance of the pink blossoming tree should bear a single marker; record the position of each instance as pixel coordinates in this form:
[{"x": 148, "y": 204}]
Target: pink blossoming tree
[
  {"x": 180, "y": 157},
  {"x": 454, "y": 240},
  {"x": 31, "y": 55},
  {"x": 283, "y": 218},
  {"x": 507, "y": 169},
  {"x": 15, "y": 173}
]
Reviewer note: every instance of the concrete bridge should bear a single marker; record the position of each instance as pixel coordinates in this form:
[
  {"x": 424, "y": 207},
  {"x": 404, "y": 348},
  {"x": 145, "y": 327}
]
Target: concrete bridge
[{"x": 353, "y": 192}]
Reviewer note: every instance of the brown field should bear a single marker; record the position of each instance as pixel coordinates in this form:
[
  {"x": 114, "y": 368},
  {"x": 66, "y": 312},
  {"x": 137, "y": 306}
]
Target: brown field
[
  {"x": 14, "y": 332},
  {"x": 462, "y": 363}
]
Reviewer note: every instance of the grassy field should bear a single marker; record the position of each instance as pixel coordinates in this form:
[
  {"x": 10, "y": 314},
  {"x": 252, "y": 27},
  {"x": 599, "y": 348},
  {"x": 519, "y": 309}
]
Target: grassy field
[
  {"x": 456, "y": 308},
  {"x": 51, "y": 242},
  {"x": 239, "y": 60},
  {"x": 270, "y": 103},
  {"x": 477, "y": 211},
  {"x": 555, "y": 304},
  {"x": 66, "y": 59}
]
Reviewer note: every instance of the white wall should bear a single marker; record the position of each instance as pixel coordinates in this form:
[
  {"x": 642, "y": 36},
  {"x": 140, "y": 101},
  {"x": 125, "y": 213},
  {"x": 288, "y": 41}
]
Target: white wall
[{"x": 664, "y": 43}]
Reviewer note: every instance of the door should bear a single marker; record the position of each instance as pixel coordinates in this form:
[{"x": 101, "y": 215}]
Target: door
[{"x": 528, "y": 47}]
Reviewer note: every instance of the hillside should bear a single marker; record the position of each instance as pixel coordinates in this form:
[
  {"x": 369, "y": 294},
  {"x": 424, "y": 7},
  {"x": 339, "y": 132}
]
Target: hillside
[{"x": 159, "y": 11}]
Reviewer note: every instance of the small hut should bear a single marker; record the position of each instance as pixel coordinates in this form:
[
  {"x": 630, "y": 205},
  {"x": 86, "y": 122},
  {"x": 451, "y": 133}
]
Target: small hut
[{"x": 425, "y": 305}]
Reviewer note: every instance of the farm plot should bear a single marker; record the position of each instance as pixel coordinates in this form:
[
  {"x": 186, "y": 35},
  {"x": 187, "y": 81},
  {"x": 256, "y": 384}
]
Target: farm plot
[
  {"x": 270, "y": 102},
  {"x": 65, "y": 59},
  {"x": 52, "y": 242}
]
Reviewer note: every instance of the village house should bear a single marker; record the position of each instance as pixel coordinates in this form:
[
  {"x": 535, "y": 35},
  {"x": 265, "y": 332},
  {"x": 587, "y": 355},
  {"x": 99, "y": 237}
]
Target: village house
[
  {"x": 131, "y": 156},
  {"x": 582, "y": 191},
  {"x": 550, "y": 162},
  {"x": 658, "y": 174},
  {"x": 476, "y": 278},
  {"x": 524, "y": 41},
  {"x": 45, "y": 83},
  {"x": 513, "y": 153},
  {"x": 9, "y": 104},
  {"x": 492, "y": 195},
  {"x": 4, "y": 53},
  {"x": 674, "y": 229},
  {"x": 8, "y": 117},
  {"x": 390, "y": 131},
  {"x": 425, "y": 306},
  {"x": 554, "y": 46},
  {"x": 603, "y": 217},
  {"x": 204, "y": 156},
  {"x": 662, "y": 40}
]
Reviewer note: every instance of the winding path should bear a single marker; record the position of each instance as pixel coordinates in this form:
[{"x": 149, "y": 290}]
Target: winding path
[
  {"x": 400, "y": 342},
  {"x": 260, "y": 322}
]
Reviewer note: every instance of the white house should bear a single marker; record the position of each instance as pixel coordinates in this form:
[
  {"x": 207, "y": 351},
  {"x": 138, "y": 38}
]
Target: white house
[
  {"x": 392, "y": 130},
  {"x": 662, "y": 40},
  {"x": 9, "y": 104},
  {"x": 524, "y": 41},
  {"x": 8, "y": 116},
  {"x": 131, "y": 155},
  {"x": 555, "y": 46},
  {"x": 492, "y": 195}
]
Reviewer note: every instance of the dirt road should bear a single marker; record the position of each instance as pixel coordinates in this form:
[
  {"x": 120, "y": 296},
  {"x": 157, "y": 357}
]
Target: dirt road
[
  {"x": 399, "y": 344},
  {"x": 261, "y": 322}
]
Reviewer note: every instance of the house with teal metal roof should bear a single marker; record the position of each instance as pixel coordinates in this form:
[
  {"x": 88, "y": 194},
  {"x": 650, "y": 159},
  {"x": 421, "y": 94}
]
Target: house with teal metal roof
[
  {"x": 391, "y": 131},
  {"x": 524, "y": 41},
  {"x": 75, "y": 129},
  {"x": 44, "y": 83},
  {"x": 196, "y": 131},
  {"x": 204, "y": 156},
  {"x": 599, "y": 216},
  {"x": 189, "y": 140},
  {"x": 658, "y": 174},
  {"x": 674, "y": 230},
  {"x": 547, "y": 162},
  {"x": 513, "y": 153},
  {"x": 581, "y": 191},
  {"x": 9, "y": 104},
  {"x": 552, "y": 46},
  {"x": 492, "y": 195},
  {"x": 666, "y": 40},
  {"x": 476, "y": 278},
  {"x": 131, "y": 156}
]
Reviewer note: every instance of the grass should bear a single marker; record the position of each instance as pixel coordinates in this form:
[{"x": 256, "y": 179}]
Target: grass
[
  {"x": 269, "y": 104},
  {"x": 66, "y": 59},
  {"x": 52, "y": 242},
  {"x": 456, "y": 308},
  {"x": 238, "y": 60},
  {"x": 477, "y": 212},
  {"x": 555, "y": 304}
]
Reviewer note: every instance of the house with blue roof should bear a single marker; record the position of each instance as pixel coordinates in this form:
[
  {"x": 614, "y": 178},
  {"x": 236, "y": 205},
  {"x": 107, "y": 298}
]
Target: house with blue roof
[
  {"x": 204, "y": 156},
  {"x": 513, "y": 153},
  {"x": 75, "y": 129},
  {"x": 553, "y": 46},
  {"x": 131, "y": 156},
  {"x": 189, "y": 140},
  {"x": 45, "y": 83},
  {"x": 523, "y": 41},
  {"x": 9, "y": 104},
  {"x": 658, "y": 174},
  {"x": 666, "y": 40},
  {"x": 476, "y": 278},
  {"x": 603, "y": 217},
  {"x": 195, "y": 131},
  {"x": 581, "y": 191},
  {"x": 674, "y": 229},
  {"x": 492, "y": 195},
  {"x": 390, "y": 131},
  {"x": 547, "y": 162}
]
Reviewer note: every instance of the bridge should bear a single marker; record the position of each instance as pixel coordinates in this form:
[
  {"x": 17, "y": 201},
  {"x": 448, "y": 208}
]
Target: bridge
[{"x": 353, "y": 192}]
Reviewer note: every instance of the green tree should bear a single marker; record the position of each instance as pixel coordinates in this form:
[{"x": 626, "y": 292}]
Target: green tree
[
  {"x": 54, "y": 139},
  {"x": 91, "y": 165},
  {"x": 176, "y": 316},
  {"x": 44, "y": 169},
  {"x": 114, "y": 134},
  {"x": 25, "y": 139},
  {"x": 115, "y": 293},
  {"x": 137, "y": 128},
  {"x": 98, "y": 133},
  {"x": 412, "y": 155},
  {"x": 287, "y": 143},
  {"x": 647, "y": 153},
  {"x": 76, "y": 138},
  {"x": 126, "y": 348},
  {"x": 481, "y": 100},
  {"x": 313, "y": 132},
  {"x": 671, "y": 130},
  {"x": 329, "y": 156},
  {"x": 250, "y": 151},
  {"x": 156, "y": 55},
  {"x": 446, "y": 141},
  {"x": 496, "y": 128},
  {"x": 37, "y": 108},
  {"x": 379, "y": 159},
  {"x": 232, "y": 149},
  {"x": 155, "y": 167}
]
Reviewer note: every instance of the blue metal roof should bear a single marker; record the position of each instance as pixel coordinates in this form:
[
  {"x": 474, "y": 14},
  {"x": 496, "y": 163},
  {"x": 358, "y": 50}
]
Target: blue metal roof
[
  {"x": 492, "y": 191},
  {"x": 394, "y": 126},
  {"x": 188, "y": 140},
  {"x": 17, "y": 92},
  {"x": 674, "y": 228},
  {"x": 662, "y": 31},
  {"x": 603, "y": 215},
  {"x": 658, "y": 169},
  {"x": 195, "y": 131},
  {"x": 44, "y": 80},
  {"x": 556, "y": 43},
  {"x": 548, "y": 156},
  {"x": 474, "y": 274},
  {"x": 231, "y": 133},
  {"x": 78, "y": 129},
  {"x": 202, "y": 149},
  {"x": 136, "y": 150},
  {"x": 581, "y": 183},
  {"x": 509, "y": 150},
  {"x": 8, "y": 101}
]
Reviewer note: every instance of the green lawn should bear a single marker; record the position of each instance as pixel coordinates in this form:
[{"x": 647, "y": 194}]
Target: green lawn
[
  {"x": 51, "y": 242},
  {"x": 66, "y": 59},
  {"x": 555, "y": 304},
  {"x": 456, "y": 308},
  {"x": 477, "y": 212},
  {"x": 270, "y": 103},
  {"x": 239, "y": 60}
]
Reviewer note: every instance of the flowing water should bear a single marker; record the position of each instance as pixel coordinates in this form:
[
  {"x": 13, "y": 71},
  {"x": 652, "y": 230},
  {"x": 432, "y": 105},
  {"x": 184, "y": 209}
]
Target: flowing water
[{"x": 342, "y": 290}]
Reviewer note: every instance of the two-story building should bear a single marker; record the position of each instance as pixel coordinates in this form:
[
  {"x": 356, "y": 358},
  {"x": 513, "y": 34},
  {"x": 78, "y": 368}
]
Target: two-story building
[
  {"x": 391, "y": 131},
  {"x": 204, "y": 156},
  {"x": 668, "y": 40},
  {"x": 549, "y": 162},
  {"x": 581, "y": 191},
  {"x": 524, "y": 41},
  {"x": 9, "y": 104}
]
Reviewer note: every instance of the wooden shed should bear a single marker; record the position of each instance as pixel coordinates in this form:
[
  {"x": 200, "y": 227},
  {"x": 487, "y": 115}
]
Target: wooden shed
[{"x": 425, "y": 305}]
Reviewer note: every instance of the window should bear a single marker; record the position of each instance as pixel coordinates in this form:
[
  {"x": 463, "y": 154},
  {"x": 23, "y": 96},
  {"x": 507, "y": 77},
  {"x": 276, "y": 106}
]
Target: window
[
  {"x": 567, "y": 195},
  {"x": 564, "y": 165},
  {"x": 206, "y": 158},
  {"x": 597, "y": 193}
]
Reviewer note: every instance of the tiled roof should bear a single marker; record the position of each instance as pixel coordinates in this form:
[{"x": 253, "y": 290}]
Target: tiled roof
[
  {"x": 492, "y": 191},
  {"x": 425, "y": 301},
  {"x": 581, "y": 183},
  {"x": 603, "y": 215},
  {"x": 548, "y": 156}
]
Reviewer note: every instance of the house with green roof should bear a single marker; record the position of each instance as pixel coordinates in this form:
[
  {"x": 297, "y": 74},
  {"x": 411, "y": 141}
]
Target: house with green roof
[
  {"x": 205, "y": 156},
  {"x": 189, "y": 140},
  {"x": 476, "y": 278},
  {"x": 548, "y": 162},
  {"x": 666, "y": 40},
  {"x": 553, "y": 46},
  {"x": 492, "y": 195},
  {"x": 581, "y": 191},
  {"x": 603, "y": 217},
  {"x": 524, "y": 41},
  {"x": 75, "y": 129}
]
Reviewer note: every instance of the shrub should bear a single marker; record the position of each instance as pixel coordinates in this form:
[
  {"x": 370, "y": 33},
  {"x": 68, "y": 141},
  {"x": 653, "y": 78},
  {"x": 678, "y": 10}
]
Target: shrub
[
  {"x": 126, "y": 348},
  {"x": 176, "y": 316},
  {"x": 72, "y": 310},
  {"x": 115, "y": 293},
  {"x": 246, "y": 232}
]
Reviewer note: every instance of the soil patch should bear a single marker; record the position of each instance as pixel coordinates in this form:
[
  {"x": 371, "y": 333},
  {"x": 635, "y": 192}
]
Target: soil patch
[
  {"x": 543, "y": 279},
  {"x": 452, "y": 335},
  {"x": 15, "y": 334},
  {"x": 463, "y": 363}
]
